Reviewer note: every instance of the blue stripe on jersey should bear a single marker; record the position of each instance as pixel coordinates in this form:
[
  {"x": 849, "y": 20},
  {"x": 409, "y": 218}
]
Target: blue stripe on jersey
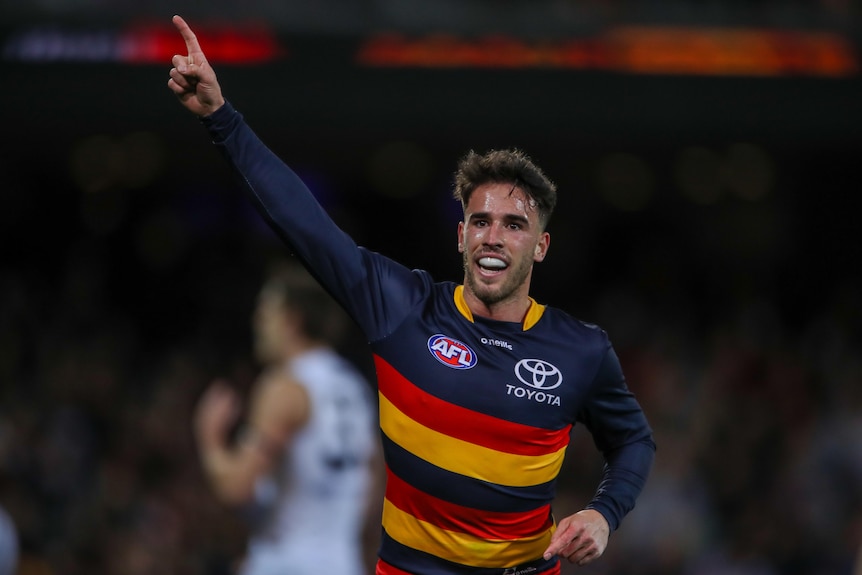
[
  {"x": 462, "y": 490},
  {"x": 421, "y": 563}
]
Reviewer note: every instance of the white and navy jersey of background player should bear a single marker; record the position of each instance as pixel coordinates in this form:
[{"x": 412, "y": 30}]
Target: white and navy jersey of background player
[{"x": 325, "y": 473}]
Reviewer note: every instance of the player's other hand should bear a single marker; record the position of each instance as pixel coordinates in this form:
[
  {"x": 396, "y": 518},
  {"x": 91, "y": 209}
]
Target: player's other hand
[
  {"x": 580, "y": 538},
  {"x": 215, "y": 414},
  {"x": 192, "y": 78}
]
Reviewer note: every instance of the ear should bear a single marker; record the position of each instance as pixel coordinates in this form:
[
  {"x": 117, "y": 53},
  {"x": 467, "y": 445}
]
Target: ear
[
  {"x": 460, "y": 236},
  {"x": 542, "y": 246}
]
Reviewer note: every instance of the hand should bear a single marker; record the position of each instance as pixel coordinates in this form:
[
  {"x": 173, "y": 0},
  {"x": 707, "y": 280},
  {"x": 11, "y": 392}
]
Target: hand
[
  {"x": 580, "y": 538},
  {"x": 192, "y": 78},
  {"x": 216, "y": 411}
]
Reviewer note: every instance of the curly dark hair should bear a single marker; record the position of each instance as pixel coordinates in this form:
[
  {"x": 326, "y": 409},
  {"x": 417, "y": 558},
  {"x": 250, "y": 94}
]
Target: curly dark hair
[{"x": 506, "y": 166}]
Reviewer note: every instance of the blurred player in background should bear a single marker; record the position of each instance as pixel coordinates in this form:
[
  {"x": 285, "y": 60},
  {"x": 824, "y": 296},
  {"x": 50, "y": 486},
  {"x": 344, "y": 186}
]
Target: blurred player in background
[
  {"x": 479, "y": 385},
  {"x": 299, "y": 469}
]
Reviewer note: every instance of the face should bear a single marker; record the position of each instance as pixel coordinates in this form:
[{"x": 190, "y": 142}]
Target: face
[
  {"x": 270, "y": 327},
  {"x": 500, "y": 239}
]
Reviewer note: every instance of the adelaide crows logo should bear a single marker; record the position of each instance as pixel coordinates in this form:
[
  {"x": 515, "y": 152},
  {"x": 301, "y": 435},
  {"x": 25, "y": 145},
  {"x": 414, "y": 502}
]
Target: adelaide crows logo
[{"x": 451, "y": 352}]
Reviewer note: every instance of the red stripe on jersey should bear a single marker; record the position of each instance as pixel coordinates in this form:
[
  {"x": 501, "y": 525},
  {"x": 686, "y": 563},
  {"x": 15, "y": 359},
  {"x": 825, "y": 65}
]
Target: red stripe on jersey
[
  {"x": 384, "y": 568},
  {"x": 452, "y": 517},
  {"x": 464, "y": 424}
]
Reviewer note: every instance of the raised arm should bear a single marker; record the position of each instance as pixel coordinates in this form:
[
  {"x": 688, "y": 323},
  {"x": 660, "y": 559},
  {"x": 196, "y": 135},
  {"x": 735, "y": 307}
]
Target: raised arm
[
  {"x": 375, "y": 290},
  {"x": 192, "y": 78}
]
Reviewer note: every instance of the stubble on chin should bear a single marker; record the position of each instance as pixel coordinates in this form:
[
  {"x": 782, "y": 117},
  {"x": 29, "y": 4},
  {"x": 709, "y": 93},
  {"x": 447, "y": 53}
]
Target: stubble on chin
[
  {"x": 490, "y": 295},
  {"x": 483, "y": 293},
  {"x": 487, "y": 295}
]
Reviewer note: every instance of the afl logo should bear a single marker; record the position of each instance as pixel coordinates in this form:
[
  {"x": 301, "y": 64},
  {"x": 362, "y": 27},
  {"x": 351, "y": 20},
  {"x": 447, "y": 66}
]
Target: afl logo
[
  {"x": 538, "y": 374},
  {"x": 451, "y": 352}
]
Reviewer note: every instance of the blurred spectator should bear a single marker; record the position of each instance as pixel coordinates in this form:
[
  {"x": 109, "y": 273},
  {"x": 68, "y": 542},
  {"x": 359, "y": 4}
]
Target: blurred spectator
[{"x": 8, "y": 544}]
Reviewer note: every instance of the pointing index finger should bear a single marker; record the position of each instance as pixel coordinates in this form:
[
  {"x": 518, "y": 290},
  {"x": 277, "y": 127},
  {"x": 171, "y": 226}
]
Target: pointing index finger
[{"x": 188, "y": 36}]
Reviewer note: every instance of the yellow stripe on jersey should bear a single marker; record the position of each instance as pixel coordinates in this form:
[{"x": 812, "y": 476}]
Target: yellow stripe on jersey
[
  {"x": 461, "y": 547},
  {"x": 466, "y": 458}
]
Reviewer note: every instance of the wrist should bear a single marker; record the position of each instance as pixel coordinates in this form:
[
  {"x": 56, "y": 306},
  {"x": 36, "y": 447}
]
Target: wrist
[{"x": 211, "y": 109}]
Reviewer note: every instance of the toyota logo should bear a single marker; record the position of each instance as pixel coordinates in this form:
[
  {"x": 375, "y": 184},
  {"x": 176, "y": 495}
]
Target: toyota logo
[{"x": 538, "y": 374}]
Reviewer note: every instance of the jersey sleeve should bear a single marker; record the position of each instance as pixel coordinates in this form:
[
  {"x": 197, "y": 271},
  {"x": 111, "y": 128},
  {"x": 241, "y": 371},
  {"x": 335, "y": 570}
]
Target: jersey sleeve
[
  {"x": 621, "y": 432},
  {"x": 356, "y": 277}
]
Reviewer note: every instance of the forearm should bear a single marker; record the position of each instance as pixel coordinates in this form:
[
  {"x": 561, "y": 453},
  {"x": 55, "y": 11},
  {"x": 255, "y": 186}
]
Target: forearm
[
  {"x": 623, "y": 478},
  {"x": 232, "y": 471},
  {"x": 354, "y": 276},
  {"x": 280, "y": 196},
  {"x": 622, "y": 433}
]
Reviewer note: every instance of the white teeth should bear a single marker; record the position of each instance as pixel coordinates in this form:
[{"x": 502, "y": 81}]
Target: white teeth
[{"x": 492, "y": 263}]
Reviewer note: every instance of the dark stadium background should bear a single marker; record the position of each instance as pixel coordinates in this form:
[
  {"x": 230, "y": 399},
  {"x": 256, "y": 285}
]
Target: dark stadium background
[{"x": 707, "y": 220}]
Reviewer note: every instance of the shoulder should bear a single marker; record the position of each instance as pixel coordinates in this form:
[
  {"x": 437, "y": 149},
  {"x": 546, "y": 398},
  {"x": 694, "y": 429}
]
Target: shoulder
[
  {"x": 325, "y": 373},
  {"x": 277, "y": 383},
  {"x": 279, "y": 398},
  {"x": 584, "y": 331}
]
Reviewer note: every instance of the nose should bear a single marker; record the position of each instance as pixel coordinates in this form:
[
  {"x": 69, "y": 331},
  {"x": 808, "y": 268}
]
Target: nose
[{"x": 493, "y": 235}]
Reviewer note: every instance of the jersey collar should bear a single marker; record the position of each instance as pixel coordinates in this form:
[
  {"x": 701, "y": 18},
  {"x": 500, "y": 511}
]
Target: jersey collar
[{"x": 534, "y": 313}]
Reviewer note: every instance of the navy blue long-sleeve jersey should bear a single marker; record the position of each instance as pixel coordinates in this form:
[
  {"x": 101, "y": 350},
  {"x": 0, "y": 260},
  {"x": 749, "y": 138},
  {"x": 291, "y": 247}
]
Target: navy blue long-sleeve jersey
[{"x": 475, "y": 414}]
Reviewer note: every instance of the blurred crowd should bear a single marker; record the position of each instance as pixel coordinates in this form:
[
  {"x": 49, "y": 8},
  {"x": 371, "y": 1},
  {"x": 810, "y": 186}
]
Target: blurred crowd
[{"x": 759, "y": 428}]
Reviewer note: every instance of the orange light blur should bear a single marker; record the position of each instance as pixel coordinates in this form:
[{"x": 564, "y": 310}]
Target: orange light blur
[{"x": 638, "y": 50}]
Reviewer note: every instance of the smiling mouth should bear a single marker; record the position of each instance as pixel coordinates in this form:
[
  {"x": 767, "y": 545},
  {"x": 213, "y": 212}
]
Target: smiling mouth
[{"x": 492, "y": 264}]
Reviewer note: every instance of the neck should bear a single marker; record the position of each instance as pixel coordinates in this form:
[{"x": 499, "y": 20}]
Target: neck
[
  {"x": 512, "y": 309},
  {"x": 300, "y": 347}
]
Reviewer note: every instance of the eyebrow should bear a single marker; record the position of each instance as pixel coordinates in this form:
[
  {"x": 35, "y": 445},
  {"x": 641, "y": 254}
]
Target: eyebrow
[{"x": 507, "y": 217}]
